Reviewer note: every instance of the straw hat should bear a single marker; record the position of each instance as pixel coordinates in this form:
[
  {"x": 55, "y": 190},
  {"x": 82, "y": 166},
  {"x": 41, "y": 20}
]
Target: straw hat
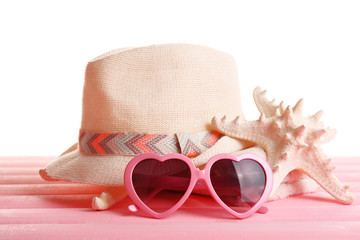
[{"x": 158, "y": 98}]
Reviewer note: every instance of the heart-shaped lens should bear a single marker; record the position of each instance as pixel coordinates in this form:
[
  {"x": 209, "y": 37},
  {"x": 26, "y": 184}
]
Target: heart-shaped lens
[
  {"x": 161, "y": 185},
  {"x": 239, "y": 185}
]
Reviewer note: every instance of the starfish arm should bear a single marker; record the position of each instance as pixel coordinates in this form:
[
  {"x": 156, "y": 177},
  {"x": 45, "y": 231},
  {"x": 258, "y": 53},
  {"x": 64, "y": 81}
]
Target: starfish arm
[
  {"x": 291, "y": 142},
  {"x": 299, "y": 186},
  {"x": 266, "y": 107},
  {"x": 109, "y": 197},
  {"x": 252, "y": 131},
  {"x": 321, "y": 171}
]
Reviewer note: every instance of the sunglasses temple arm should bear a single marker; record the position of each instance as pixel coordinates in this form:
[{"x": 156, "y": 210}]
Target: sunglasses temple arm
[
  {"x": 179, "y": 182},
  {"x": 133, "y": 208},
  {"x": 262, "y": 210},
  {"x": 170, "y": 182}
]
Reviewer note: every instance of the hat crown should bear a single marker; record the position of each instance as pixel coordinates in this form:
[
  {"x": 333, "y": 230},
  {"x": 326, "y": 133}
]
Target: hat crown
[{"x": 171, "y": 88}]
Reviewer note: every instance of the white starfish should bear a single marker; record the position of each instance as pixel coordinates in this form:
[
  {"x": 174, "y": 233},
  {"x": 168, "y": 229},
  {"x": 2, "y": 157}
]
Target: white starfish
[{"x": 291, "y": 141}]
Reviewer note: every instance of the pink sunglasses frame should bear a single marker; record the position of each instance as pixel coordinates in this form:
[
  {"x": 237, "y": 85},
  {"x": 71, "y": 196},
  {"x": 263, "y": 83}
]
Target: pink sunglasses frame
[{"x": 197, "y": 175}]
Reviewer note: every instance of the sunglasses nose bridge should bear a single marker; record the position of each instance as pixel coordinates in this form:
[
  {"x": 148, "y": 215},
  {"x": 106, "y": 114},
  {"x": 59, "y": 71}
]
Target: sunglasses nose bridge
[
  {"x": 200, "y": 180},
  {"x": 200, "y": 174}
]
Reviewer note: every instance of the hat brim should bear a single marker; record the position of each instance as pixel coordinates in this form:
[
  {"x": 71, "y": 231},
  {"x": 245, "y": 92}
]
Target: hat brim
[
  {"x": 74, "y": 166},
  {"x": 108, "y": 170}
]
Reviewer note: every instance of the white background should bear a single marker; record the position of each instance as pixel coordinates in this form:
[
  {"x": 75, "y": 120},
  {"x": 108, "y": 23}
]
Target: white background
[{"x": 295, "y": 49}]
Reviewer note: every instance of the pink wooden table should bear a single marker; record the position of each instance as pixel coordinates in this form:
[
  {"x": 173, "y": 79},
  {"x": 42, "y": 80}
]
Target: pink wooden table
[{"x": 35, "y": 209}]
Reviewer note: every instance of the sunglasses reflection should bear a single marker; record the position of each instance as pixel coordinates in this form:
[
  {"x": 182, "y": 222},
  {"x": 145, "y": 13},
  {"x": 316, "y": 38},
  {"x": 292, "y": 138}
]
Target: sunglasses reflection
[
  {"x": 239, "y": 185},
  {"x": 160, "y": 185}
]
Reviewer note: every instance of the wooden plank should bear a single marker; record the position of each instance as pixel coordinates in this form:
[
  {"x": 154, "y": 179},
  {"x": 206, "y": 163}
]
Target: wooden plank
[
  {"x": 159, "y": 229},
  {"x": 319, "y": 198},
  {"x": 196, "y": 207},
  {"x": 32, "y": 162},
  {"x": 36, "y": 179},
  {"x": 35, "y": 209},
  {"x": 46, "y": 201},
  {"x": 204, "y": 214},
  {"x": 50, "y": 189},
  {"x": 24, "y": 179},
  {"x": 26, "y": 158},
  {"x": 19, "y": 171}
]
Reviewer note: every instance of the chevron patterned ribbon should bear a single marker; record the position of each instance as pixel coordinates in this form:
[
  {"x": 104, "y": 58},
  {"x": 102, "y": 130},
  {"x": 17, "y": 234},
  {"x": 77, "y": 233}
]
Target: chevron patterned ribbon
[{"x": 132, "y": 144}]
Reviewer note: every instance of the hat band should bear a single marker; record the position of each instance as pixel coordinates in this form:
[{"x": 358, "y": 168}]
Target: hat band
[{"x": 188, "y": 144}]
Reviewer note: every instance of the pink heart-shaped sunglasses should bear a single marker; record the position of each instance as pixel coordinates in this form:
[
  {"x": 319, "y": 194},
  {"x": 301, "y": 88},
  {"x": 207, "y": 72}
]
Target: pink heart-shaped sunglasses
[{"x": 159, "y": 185}]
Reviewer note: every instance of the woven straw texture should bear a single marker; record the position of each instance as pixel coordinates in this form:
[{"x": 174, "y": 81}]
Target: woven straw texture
[{"x": 158, "y": 89}]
